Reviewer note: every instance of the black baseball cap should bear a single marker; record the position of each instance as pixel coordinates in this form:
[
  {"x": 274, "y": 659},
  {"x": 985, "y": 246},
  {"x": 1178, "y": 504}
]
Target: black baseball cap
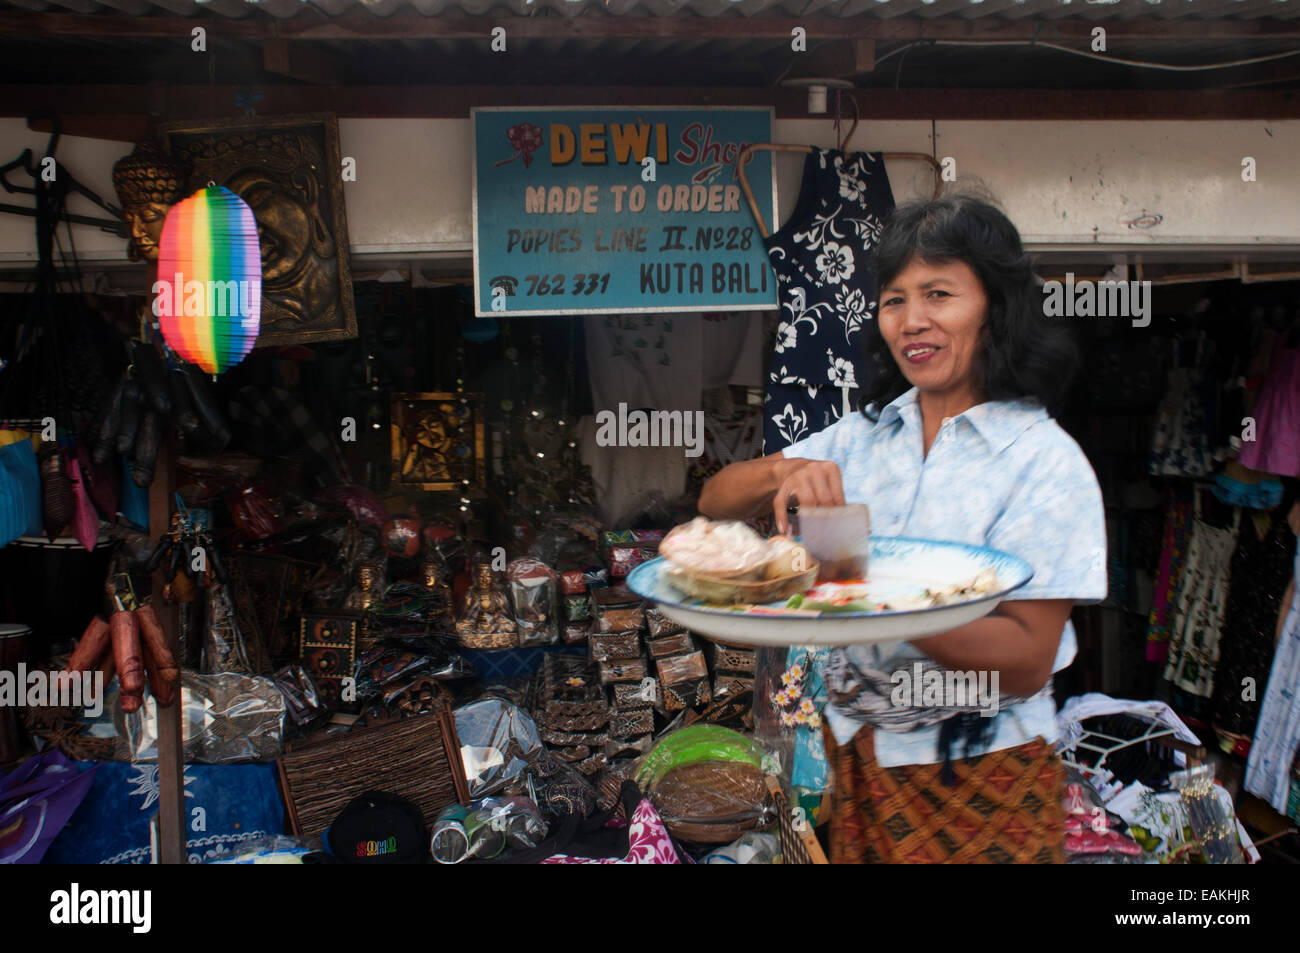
[{"x": 379, "y": 828}]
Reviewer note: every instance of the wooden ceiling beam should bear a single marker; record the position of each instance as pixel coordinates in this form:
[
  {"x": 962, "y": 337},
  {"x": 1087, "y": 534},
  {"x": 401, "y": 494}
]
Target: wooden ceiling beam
[
  {"x": 410, "y": 26},
  {"x": 296, "y": 61},
  {"x": 92, "y": 102}
]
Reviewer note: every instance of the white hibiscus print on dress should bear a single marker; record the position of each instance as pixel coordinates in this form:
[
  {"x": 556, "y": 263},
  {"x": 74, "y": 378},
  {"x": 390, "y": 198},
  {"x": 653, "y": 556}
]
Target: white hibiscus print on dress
[
  {"x": 821, "y": 230},
  {"x": 835, "y": 263},
  {"x": 841, "y": 371},
  {"x": 851, "y": 187},
  {"x": 787, "y": 336},
  {"x": 853, "y": 309},
  {"x": 791, "y": 425},
  {"x": 867, "y": 229},
  {"x": 783, "y": 376}
]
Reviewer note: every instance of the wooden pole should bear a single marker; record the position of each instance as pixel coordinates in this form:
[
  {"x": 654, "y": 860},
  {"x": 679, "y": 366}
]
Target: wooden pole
[{"x": 171, "y": 754}]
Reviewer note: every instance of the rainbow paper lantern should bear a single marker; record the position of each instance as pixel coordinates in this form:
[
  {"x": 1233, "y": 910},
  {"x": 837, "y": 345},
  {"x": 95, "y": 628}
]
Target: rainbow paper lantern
[{"x": 208, "y": 296}]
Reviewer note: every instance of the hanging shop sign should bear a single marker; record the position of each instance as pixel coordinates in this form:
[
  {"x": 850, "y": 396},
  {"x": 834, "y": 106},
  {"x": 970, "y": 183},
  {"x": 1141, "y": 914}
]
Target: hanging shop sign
[{"x": 622, "y": 209}]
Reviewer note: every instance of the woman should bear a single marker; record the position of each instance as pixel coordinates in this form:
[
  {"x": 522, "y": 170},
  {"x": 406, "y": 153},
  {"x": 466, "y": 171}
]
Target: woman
[{"x": 954, "y": 442}]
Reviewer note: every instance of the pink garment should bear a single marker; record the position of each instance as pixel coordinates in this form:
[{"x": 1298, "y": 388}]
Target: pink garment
[
  {"x": 647, "y": 841},
  {"x": 1276, "y": 447}
]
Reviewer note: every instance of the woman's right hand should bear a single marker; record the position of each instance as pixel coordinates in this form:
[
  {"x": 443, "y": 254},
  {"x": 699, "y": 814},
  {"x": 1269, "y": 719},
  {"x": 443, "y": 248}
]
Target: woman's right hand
[{"x": 813, "y": 483}]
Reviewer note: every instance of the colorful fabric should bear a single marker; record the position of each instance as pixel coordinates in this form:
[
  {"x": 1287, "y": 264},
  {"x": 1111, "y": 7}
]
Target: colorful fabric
[
  {"x": 235, "y": 802},
  {"x": 1276, "y": 447},
  {"x": 1002, "y": 474},
  {"x": 1198, "y": 614},
  {"x": 648, "y": 842},
  {"x": 1005, "y": 808},
  {"x": 1277, "y": 736},
  {"x": 1261, "y": 568},
  {"x": 1168, "y": 575},
  {"x": 1181, "y": 445},
  {"x": 37, "y": 799},
  {"x": 810, "y": 770}
]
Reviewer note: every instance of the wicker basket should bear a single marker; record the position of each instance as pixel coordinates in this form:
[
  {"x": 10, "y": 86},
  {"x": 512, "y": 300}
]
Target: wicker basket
[
  {"x": 797, "y": 846},
  {"x": 416, "y": 758}
]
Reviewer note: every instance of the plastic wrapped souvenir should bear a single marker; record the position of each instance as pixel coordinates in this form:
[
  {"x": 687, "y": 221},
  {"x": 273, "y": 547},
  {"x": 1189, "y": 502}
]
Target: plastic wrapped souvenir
[
  {"x": 497, "y": 741},
  {"x": 534, "y": 595},
  {"x": 708, "y": 784}
]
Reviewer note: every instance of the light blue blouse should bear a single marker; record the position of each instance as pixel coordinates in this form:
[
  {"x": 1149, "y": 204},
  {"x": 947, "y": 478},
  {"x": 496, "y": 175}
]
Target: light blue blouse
[{"x": 1002, "y": 474}]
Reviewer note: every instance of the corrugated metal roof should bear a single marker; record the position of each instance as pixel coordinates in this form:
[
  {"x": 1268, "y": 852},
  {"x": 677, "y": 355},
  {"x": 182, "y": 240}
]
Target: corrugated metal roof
[
  {"x": 614, "y": 62},
  {"x": 882, "y": 9},
  {"x": 715, "y": 57}
]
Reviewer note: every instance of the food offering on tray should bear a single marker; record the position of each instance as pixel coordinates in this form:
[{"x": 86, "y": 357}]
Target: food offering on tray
[
  {"x": 727, "y": 562},
  {"x": 839, "y": 597}
]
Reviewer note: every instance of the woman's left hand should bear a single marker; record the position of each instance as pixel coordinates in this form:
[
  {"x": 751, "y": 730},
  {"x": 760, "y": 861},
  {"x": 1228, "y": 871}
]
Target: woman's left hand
[{"x": 1018, "y": 640}]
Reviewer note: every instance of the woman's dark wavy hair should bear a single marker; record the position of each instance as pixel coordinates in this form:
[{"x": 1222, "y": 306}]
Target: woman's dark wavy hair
[{"x": 1022, "y": 354}]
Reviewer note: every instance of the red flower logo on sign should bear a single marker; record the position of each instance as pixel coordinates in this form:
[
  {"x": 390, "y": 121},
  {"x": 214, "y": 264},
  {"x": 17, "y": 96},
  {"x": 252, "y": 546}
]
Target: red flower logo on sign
[{"x": 525, "y": 139}]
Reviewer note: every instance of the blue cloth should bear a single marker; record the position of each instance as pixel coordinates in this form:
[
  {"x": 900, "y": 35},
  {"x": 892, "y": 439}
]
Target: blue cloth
[
  {"x": 1263, "y": 495},
  {"x": 133, "y": 502},
  {"x": 20, "y": 492},
  {"x": 810, "y": 769},
  {"x": 1277, "y": 735},
  {"x": 1002, "y": 474},
  {"x": 225, "y": 805}
]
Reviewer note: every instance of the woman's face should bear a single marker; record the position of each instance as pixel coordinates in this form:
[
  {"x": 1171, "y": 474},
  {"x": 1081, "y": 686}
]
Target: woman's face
[{"x": 930, "y": 317}]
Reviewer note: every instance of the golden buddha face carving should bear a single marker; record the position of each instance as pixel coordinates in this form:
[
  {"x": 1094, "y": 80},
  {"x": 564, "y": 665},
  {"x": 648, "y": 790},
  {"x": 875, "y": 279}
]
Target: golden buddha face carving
[
  {"x": 148, "y": 184},
  {"x": 286, "y": 170}
]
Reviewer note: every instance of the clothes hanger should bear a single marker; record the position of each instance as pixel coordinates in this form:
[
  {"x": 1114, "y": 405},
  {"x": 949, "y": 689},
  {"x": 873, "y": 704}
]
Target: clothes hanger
[
  {"x": 52, "y": 197},
  {"x": 747, "y": 153}
]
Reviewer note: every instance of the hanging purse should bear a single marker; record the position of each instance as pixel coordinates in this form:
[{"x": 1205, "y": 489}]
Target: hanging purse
[{"x": 85, "y": 521}]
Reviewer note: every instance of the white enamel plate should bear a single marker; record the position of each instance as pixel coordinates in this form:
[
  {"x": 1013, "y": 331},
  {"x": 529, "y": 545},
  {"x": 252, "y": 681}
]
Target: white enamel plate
[{"x": 898, "y": 569}]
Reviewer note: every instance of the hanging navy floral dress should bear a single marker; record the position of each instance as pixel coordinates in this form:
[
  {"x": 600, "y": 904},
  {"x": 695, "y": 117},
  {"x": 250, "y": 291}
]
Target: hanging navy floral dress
[{"x": 826, "y": 293}]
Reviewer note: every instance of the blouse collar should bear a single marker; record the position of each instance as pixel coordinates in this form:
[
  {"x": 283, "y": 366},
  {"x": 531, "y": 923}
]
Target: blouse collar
[{"x": 999, "y": 422}]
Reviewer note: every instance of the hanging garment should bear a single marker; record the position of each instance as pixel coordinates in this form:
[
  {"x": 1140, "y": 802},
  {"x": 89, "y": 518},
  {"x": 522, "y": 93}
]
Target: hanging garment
[
  {"x": 1168, "y": 576},
  {"x": 1198, "y": 615},
  {"x": 792, "y": 412},
  {"x": 731, "y": 348},
  {"x": 1268, "y": 769},
  {"x": 1260, "y": 571},
  {"x": 1276, "y": 447},
  {"x": 826, "y": 293},
  {"x": 729, "y": 440},
  {"x": 1182, "y": 444},
  {"x": 652, "y": 361}
]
